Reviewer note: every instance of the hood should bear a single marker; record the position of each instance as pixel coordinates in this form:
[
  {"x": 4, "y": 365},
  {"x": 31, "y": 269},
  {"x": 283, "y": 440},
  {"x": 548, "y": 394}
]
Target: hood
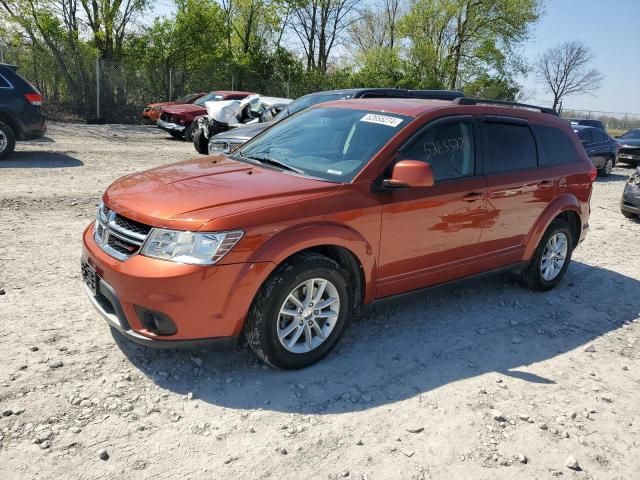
[
  {"x": 185, "y": 108},
  {"x": 160, "y": 104},
  {"x": 631, "y": 142},
  {"x": 242, "y": 133},
  {"x": 228, "y": 111},
  {"x": 188, "y": 194}
]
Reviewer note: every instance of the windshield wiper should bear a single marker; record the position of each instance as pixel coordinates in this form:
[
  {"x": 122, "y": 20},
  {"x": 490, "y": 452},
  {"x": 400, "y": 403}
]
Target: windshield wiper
[{"x": 272, "y": 161}]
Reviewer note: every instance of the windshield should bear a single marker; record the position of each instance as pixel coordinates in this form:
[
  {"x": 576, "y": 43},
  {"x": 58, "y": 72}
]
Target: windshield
[
  {"x": 187, "y": 98},
  {"x": 307, "y": 101},
  {"x": 632, "y": 134},
  {"x": 209, "y": 97},
  {"x": 330, "y": 143}
]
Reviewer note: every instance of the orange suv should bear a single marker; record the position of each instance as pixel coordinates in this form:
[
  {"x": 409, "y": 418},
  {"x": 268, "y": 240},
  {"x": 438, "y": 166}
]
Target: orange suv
[{"x": 338, "y": 206}]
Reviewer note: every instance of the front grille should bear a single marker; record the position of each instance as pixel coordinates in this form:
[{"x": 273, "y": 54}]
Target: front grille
[
  {"x": 132, "y": 225},
  {"x": 119, "y": 236}
]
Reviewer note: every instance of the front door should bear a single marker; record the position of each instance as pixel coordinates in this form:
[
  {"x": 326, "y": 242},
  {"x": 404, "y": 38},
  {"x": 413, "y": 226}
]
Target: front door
[{"x": 430, "y": 235}]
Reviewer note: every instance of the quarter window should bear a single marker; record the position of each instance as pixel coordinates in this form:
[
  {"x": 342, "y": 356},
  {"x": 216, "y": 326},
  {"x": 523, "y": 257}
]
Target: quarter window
[
  {"x": 4, "y": 83},
  {"x": 449, "y": 148},
  {"x": 508, "y": 147},
  {"x": 555, "y": 147}
]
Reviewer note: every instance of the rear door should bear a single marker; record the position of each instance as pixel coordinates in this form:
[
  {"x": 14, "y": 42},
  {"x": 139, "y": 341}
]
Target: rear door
[{"x": 518, "y": 188}]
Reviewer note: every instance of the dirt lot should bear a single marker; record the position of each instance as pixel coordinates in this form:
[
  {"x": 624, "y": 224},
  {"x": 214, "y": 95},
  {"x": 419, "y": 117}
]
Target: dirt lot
[{"x": 481, "y": 380}]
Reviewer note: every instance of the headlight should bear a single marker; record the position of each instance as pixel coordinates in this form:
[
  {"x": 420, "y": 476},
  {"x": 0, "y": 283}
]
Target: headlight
[{"x": 189, "y": 247}]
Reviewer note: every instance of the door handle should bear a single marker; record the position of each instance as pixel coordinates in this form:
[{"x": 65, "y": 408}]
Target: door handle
[
  {"x": 545, "y": 184},
  {"x": 473, "y": 196}
]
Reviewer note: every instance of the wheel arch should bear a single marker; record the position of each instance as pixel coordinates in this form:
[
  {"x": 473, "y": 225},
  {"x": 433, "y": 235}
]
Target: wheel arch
[
  {"x": 7, "y": 120},
  {"x": 338, "y": 242},
  {"x": 566, "y": 207}
]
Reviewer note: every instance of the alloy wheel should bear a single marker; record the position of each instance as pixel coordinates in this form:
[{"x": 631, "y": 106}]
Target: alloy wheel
[
  {"x": 308, "y": 315},
  {"x": 608, "y": 166},
  {"x": 4, "y": 141},
  {"x": 554, "y": 256}
]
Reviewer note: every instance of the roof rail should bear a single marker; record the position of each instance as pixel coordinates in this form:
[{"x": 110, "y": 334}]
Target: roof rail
[
  {"x": 503, "y": 103},
  {"x": 437, "y": 94}
]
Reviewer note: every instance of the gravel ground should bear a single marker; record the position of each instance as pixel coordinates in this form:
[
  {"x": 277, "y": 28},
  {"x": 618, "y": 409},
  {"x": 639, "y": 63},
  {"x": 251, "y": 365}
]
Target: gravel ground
[{"x": 480, "y": 380}]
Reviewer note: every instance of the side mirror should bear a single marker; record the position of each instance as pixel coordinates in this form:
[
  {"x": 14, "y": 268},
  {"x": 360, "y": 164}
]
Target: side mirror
[{"x": 410, "y": 173}]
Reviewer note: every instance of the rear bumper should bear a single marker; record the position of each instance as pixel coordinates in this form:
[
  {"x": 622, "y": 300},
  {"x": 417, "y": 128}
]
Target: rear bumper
[{"x": 170, "y": 127}]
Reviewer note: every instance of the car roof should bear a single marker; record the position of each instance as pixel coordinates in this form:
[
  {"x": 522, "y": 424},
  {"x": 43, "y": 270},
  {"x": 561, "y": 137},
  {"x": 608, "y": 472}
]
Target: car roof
[
  {"x": 394, "y": 92},
  {"x": 411, "y": 107},
  {"x": 231, "y": 92},
  {"x": 580, "y": 128},
  {"x": 416, "y": 107}
]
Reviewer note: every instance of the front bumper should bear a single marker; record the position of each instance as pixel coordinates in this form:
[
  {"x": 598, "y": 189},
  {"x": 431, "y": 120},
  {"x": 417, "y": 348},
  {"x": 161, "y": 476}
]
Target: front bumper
[
  {"x": 207, "y": 304},
  {"x": 170, "y": 127},
  {"x": 628, "y": 155}
]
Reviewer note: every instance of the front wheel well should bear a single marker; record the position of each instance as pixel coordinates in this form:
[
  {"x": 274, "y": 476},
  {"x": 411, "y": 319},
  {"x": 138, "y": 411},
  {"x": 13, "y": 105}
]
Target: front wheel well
[
  {"x": 573, "y": 219},
  {"x": 347, "y": 260}
]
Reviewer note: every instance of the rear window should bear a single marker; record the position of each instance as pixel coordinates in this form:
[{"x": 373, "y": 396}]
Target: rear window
[
  {"x": 555, "y": 147},
  {"x": 585, "y": 136},
  {"x": 507, "y": 147}
]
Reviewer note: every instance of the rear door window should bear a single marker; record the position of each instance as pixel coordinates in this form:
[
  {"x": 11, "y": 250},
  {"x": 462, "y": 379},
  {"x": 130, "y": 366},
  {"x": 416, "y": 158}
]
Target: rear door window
[
  {"x": 598, "y": 136},
  {"x": 508, "y": 147},
  {"x": 586, "y": 136},
  {"x": 448, "y": 147},
  {"x": 556, "y": 148}
]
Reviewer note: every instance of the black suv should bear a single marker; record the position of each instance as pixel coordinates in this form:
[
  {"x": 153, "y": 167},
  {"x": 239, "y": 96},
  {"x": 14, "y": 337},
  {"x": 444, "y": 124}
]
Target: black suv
[
  {"x": 601, "y": 148},
  {"x": 229, "y": 140},
  {"x": 21, "y": 115}
]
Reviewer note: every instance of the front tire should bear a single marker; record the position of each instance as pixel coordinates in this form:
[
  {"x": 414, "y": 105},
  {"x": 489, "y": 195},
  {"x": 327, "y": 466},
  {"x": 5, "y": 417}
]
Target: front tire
[
  {"x": 300, "y": 312},
  {"x": 551, "y": 258},
  {"x": 188, "y": 132},
  {"x": 7, "y": 141},
  {"x": 201, "y": 143}
]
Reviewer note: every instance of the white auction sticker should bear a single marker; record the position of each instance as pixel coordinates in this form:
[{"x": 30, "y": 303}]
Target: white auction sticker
[{"x": 381, "y": 120}]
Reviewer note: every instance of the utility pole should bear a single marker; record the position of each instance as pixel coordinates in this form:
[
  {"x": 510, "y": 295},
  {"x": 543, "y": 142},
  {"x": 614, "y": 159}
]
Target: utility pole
[{"x": 97, "y": 87}]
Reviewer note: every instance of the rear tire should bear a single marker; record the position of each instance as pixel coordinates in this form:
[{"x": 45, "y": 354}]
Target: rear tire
[
  {"x": 7, "y": 141},
  {"x": 267, "y": 323},
  {"x": 544, "y": 271},
  {"x": 606, "y": 169},
  {"x": 201, "y": 143},
  {"x": 175, "y": 134}
]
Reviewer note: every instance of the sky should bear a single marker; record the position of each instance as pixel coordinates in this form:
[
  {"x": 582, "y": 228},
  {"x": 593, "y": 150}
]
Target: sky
[{"x": 611, "y": 29}]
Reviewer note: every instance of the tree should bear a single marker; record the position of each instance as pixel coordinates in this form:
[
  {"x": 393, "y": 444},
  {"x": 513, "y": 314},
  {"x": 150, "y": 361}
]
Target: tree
[
  {"x": 376, "y": 26},
  {"x": 566, "y": 70},
  {"x": 451, "y": 41},
  {"x": 320, "y": 26}
]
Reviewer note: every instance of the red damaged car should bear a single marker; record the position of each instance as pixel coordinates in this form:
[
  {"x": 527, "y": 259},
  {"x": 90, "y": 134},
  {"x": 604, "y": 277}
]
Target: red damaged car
[
  {"x": 152, "y": 111},
  {"x": 177, "y": 120}
]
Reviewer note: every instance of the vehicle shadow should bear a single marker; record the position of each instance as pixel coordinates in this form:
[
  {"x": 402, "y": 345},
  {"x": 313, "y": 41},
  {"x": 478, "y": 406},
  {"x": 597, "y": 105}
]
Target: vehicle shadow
[
  {"x": 40, "y": 160},
  {"x": 412, "y": 345}
]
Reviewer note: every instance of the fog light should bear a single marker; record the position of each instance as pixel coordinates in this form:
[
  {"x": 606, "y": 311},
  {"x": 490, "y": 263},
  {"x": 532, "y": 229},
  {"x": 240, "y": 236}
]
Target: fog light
[{"x": 156, "y": 322}]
